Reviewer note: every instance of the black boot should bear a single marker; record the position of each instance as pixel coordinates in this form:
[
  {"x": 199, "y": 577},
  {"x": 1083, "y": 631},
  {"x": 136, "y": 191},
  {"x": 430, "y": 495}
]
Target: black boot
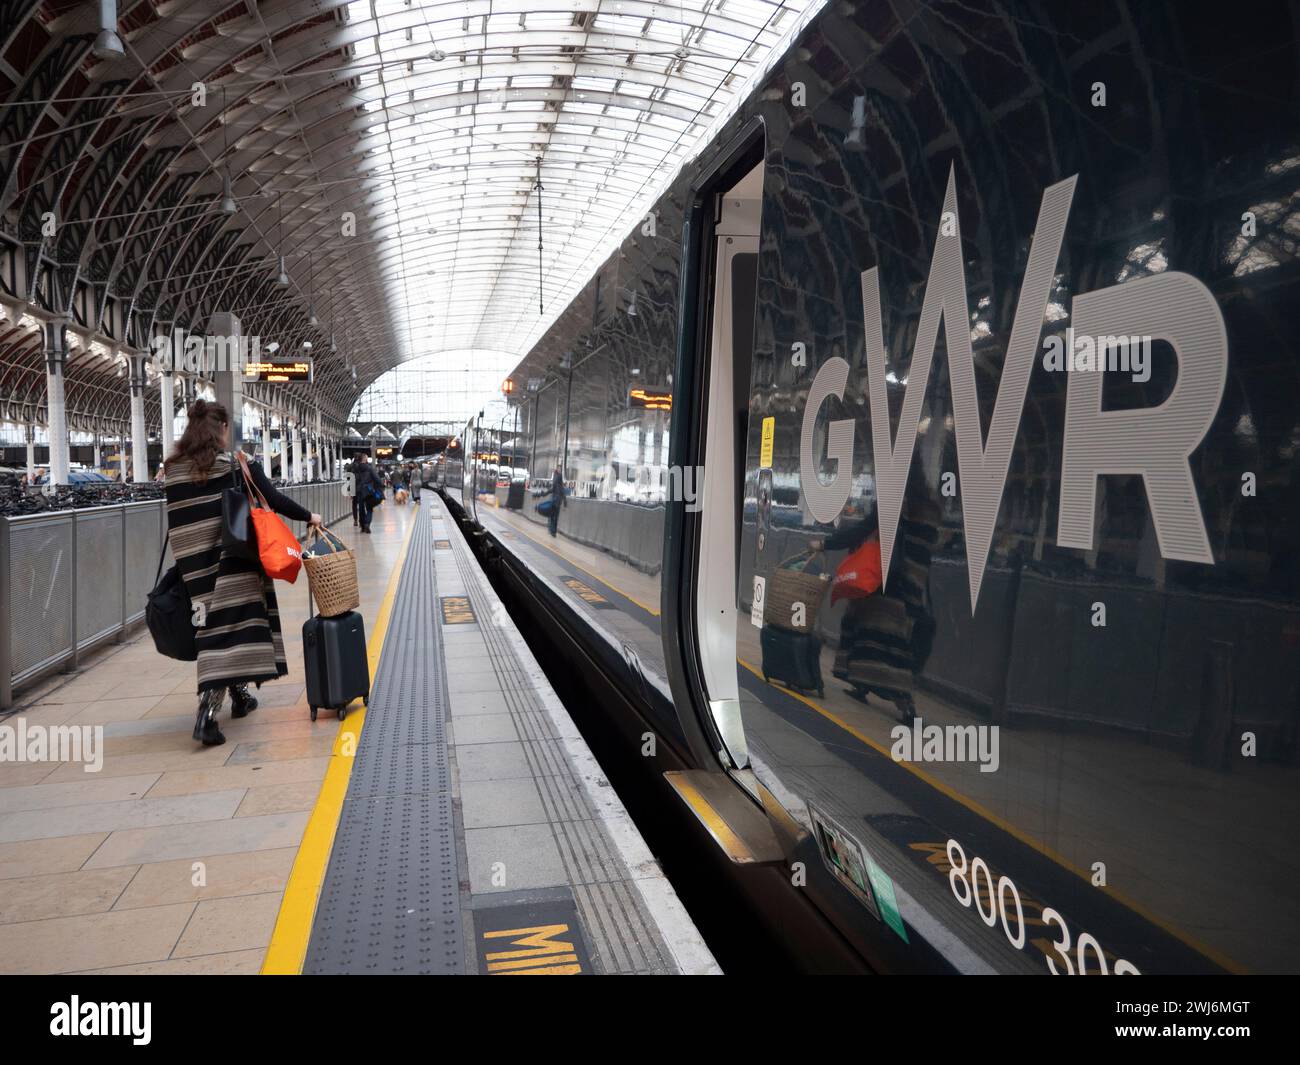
[
  {"x": 242, "y": 702},
  {"x": 206, "y": 731}
]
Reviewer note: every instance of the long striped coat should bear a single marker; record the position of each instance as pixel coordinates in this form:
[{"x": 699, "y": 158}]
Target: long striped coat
[{"x": 239, "y": 641}]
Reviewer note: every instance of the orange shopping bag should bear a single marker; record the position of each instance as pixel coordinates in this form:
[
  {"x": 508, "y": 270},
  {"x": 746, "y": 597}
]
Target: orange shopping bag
[
  {"x": 277, "y": 548},
  {"x": 859, "y": 574}
]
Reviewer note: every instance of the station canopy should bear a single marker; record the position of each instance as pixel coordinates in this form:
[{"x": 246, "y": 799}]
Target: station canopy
[{"x": 363, "y": 176}]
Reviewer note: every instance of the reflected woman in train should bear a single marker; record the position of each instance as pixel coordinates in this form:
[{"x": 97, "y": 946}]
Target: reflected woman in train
[{"x": 885, "y": 637}]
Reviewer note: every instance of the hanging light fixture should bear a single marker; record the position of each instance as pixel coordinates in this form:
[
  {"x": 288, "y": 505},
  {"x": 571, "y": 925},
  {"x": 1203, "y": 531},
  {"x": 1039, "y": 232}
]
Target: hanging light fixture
[
  {"x": 283, "y": 280},
  {"x": 227, "y": 195},
  {"x": 312, "y": 320},
  {"x": 108, "y": 45},
  {"x": 540, "y": 273}
]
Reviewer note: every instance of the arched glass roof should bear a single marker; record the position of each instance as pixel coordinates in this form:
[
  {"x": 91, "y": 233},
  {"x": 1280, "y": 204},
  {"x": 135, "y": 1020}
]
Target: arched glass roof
[
  {"x": 469, "y": 105},
  {"x": 449, "y": 386}
]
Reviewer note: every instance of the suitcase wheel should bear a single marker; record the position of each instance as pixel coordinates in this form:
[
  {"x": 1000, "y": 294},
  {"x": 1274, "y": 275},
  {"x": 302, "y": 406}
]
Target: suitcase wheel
[
  {"x": 313, "y": 713},
  {"x": 821, "y": 691},
  {"x": 343, "y": 711}
]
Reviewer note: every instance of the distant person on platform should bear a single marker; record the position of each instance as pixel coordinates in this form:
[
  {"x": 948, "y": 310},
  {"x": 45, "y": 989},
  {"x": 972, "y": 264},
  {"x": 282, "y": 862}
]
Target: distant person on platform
[
  {"x": 367, "y": 484},
  {"x": 557, "y": 494},
  {"x": 416, "y": 477},
  {"x": 351, "y": 469}
]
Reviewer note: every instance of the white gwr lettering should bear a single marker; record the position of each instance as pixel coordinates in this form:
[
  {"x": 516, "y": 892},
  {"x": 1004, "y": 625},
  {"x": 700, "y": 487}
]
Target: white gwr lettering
[{"x": 1154, "y": 443}]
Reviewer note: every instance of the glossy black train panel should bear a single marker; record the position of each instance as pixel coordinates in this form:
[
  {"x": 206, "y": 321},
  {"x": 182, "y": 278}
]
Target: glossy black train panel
[{"x": 1017, "y": 606}]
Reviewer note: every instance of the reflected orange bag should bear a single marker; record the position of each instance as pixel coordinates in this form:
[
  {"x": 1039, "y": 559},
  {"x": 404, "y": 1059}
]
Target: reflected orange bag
[
  {"x": 277, "y": 548},
  {"x": 858, "y": 576}
]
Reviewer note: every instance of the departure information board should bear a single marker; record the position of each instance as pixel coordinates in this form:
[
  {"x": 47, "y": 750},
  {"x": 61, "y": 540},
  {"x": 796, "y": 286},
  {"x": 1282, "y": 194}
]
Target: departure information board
[
  {"x": 279, "y": 370},
  {"x": 651, "y": 399}
]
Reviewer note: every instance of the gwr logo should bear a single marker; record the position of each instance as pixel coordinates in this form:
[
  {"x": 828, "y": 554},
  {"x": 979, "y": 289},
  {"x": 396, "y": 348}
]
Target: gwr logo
[
  {"x": 535, "y": 953},
  {"x": 1154, "y": 442}
]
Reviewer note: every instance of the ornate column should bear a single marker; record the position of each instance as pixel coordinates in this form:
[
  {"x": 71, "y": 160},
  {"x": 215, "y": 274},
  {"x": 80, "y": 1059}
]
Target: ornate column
[
  {"x": 139, "y": 434},
  {"x": 56, "y": 356}
]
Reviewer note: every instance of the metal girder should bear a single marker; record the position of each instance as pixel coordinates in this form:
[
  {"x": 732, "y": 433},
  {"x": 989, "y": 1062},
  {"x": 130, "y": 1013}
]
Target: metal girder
[
  {"x": 20, "y": 123},
  {"x": 128, "y": 214}
]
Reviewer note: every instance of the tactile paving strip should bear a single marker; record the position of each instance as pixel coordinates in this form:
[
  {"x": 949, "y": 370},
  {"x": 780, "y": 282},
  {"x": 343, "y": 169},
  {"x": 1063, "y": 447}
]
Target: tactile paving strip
[{"x": 390, "y": 902}]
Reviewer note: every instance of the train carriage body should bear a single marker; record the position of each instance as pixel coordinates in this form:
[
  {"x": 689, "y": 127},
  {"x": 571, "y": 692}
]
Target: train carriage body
[{"x": 1002, "y": 300}]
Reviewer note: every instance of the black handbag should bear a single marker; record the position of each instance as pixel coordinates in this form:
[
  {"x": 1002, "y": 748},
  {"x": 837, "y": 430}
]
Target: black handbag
[
  {"x": 168, "y": 614},
  {"x": 237, "y": 535}
]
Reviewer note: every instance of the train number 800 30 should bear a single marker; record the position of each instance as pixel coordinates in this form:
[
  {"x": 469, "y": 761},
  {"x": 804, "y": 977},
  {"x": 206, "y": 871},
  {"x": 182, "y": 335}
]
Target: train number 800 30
[{"x": 1001, "y": 901}]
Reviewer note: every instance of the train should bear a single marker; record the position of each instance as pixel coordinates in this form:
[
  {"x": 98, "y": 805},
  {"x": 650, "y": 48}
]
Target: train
[{"x": 959, "y": 372}]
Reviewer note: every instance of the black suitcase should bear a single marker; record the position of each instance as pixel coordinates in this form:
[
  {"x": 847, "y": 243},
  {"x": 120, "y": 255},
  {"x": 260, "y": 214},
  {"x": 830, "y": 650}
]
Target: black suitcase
[
  {"x": 792, "y": 658},
  {"x": 338, "y": 670}
]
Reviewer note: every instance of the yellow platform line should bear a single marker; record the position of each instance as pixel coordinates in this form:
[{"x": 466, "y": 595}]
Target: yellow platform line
[{"x": 288, "y": 948}]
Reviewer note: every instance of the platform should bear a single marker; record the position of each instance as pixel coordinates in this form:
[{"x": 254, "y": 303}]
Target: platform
[
  {"x": 173, "y": 857},
  {"x": 459, "y": 824},
  {"x": 478, "y": 833}
]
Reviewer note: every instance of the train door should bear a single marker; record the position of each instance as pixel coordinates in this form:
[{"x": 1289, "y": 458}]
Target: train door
[
  {"x": 720, "y": 491},
  {"x": 469, "y": 481},
  {"x": 705, "y": 478}
]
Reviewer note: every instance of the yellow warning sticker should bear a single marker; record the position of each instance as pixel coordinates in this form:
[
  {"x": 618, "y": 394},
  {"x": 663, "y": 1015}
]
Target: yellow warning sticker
[
  {"x": 531, "y": 939},
  {"x": 585, "y": 593},
  {"x": 769, "y": 437},
  {"x": 456, "y": 610},
  {"x": 538, "y": 951}
]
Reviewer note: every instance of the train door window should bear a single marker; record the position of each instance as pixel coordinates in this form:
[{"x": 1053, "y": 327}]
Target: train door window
[{"x": 731, "y": 339}]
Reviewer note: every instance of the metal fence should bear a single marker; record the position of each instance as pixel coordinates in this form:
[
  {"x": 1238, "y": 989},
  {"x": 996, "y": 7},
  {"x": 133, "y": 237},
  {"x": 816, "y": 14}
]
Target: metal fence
[{"x": 73, "y": 579}]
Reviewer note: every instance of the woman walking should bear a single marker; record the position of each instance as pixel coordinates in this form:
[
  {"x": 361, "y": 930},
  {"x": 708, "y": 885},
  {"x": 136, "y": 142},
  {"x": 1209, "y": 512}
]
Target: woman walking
[
  {"x": 885, "y": 638},
  {"x": 238, "y": 622}
]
